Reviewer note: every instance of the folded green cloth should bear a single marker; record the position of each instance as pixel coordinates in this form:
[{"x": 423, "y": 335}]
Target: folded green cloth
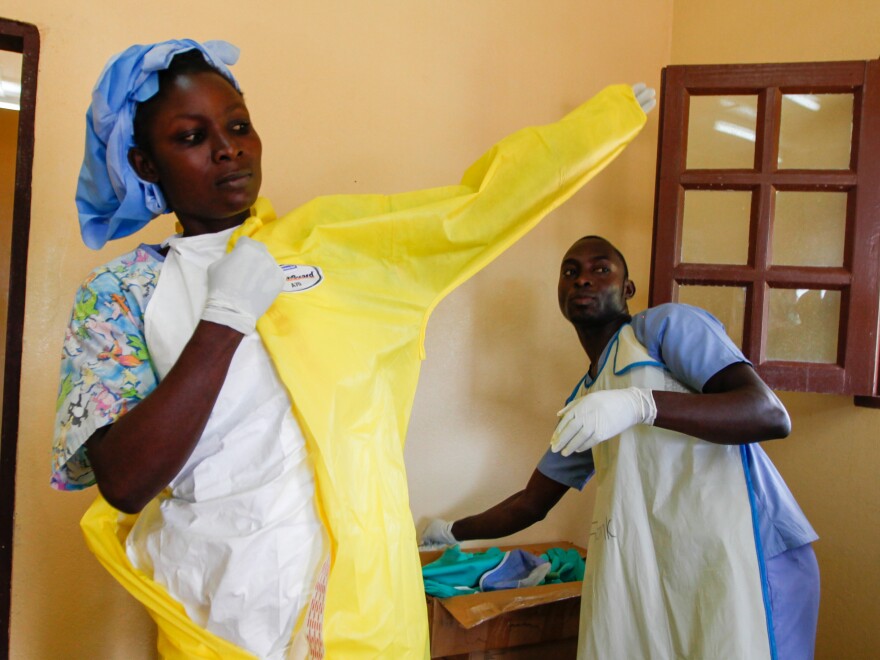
[
  {"x": 456, "y": 572},
  {"x": 565, "y": 566}
]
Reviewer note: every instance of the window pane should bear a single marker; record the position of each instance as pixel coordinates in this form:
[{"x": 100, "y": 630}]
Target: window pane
[
  {"x": 715, "y": 227},
  {"x": 726, "y": 303},
  {"x": 809, "y": 229},
  {"x": 721, "y": 132},
  {"x": 815, "y": 131},
  {"x": 803, "y": 325}
]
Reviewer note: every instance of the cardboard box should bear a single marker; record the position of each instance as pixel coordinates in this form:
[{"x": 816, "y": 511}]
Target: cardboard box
[{"x": 514, "y": 624}]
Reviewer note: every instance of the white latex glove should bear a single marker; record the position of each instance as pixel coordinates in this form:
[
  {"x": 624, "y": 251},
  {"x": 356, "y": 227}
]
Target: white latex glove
[
  {"x": 242, "y": 285},
  {"x": 437, "y": 532},
  {"x": 599, "y": 416},
  {"x": 646, "y": 96}
]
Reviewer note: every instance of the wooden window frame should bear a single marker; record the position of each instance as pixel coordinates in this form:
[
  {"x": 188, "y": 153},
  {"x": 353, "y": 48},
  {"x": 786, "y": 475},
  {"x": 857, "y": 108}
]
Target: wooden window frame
[
  {"x": 21, "y": 38},
  {"x": 855, "y": 371}
]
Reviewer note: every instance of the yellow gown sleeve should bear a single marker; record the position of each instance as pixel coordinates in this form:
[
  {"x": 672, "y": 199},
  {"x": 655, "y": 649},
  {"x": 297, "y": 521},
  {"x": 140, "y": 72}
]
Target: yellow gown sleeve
[
  {"x": 433, "y": 240},
  {"x": 518, "y": 182}
]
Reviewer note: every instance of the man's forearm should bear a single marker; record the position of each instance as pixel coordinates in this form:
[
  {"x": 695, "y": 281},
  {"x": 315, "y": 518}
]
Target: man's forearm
[{"x": 514, "y": 514}]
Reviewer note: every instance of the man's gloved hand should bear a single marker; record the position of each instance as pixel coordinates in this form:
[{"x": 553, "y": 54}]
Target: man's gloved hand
[
  {"x": 596, "y": 417},
  {"x": 437, "y": 532},
  {"x": 646, "y": 96},
  {"x": 242, "y": 285}
]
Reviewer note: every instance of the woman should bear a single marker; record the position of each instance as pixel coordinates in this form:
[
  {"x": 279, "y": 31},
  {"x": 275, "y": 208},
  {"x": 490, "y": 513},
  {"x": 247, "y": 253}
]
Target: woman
[
  {"x": 269, "y": 476},
  {"x": 194, "y": 140}
]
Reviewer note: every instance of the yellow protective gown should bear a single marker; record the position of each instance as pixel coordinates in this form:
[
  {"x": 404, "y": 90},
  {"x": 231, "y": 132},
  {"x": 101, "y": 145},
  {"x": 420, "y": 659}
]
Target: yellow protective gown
[{"x": 349, "y": 349}]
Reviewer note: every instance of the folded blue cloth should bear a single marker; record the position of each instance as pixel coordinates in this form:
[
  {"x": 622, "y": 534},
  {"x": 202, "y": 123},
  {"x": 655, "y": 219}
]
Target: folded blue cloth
[
  {"x": 111, "y": 199},
  {"x": 518, "y": 569}
]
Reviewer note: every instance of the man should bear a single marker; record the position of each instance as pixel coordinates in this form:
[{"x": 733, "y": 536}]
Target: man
[{"x": 697, "y": 548}]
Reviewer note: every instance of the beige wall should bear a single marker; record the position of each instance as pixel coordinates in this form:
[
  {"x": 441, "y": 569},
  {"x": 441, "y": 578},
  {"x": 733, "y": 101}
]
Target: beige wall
[
  {"x": 357, "y": 96},
  {"x": 349, "y": 96},
  {"x": 830, "y": 461}
]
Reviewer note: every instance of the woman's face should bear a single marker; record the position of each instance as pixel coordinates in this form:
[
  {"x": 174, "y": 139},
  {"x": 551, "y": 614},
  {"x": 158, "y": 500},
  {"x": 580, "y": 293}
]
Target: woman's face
[{"x": 203, "y": 152}]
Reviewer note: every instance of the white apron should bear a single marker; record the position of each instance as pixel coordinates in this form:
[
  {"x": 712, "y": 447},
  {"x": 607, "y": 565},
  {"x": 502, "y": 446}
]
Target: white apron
[
  {"x": 239, "y": 540},
  {"x": 673, "y": 567}
]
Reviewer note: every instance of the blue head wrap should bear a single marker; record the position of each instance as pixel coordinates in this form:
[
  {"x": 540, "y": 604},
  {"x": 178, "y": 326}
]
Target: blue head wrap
[{"x": 111, "y": 199}]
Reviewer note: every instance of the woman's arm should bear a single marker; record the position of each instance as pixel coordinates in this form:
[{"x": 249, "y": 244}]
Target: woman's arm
[{"x": 137, "y": 456}]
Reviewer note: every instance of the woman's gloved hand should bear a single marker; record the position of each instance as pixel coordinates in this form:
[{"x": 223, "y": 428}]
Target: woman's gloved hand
[
  {"x": 437, "y": 532},
  {"x": 646, "y": 96},
  {"x": 599, "y": 416},
  {"x": 242, "y": 285}
]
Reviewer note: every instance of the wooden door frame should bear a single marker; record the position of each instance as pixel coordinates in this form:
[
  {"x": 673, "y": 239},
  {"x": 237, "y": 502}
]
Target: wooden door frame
[{"x": 25, "y": 39}]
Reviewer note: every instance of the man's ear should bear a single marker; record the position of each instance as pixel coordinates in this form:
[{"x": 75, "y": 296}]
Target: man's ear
[
  {"x": 142, "y": 165},
  {"x": 629, "y": 289}
]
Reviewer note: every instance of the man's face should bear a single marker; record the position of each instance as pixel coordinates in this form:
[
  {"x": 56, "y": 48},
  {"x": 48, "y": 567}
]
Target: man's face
[{"x": 592, "y": 288}]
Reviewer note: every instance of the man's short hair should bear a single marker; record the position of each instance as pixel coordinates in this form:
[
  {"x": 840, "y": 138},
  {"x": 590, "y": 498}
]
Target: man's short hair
[{"x": 594, "y": 237}]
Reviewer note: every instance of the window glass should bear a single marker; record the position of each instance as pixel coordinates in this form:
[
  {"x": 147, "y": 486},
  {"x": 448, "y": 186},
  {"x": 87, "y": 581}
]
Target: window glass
[
  {"x": 809, "y": 228},
  {"x": 726, "y": 303},
  {"x": 815, "y": 132},
  {"x": 715, "y": 226},
  {"x": 721, "y": 132},
  {"x": 803, "y": 325}
]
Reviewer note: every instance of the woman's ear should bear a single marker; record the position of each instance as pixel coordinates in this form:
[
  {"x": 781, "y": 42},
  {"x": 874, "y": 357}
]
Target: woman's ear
[
  {"x": 629, "y": 289},
  {"x": 142, "y": 165}
]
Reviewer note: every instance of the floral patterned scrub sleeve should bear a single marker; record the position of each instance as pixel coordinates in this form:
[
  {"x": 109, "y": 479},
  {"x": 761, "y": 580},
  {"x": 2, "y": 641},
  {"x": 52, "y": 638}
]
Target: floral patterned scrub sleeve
[{"x": 105, "y": 366}]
